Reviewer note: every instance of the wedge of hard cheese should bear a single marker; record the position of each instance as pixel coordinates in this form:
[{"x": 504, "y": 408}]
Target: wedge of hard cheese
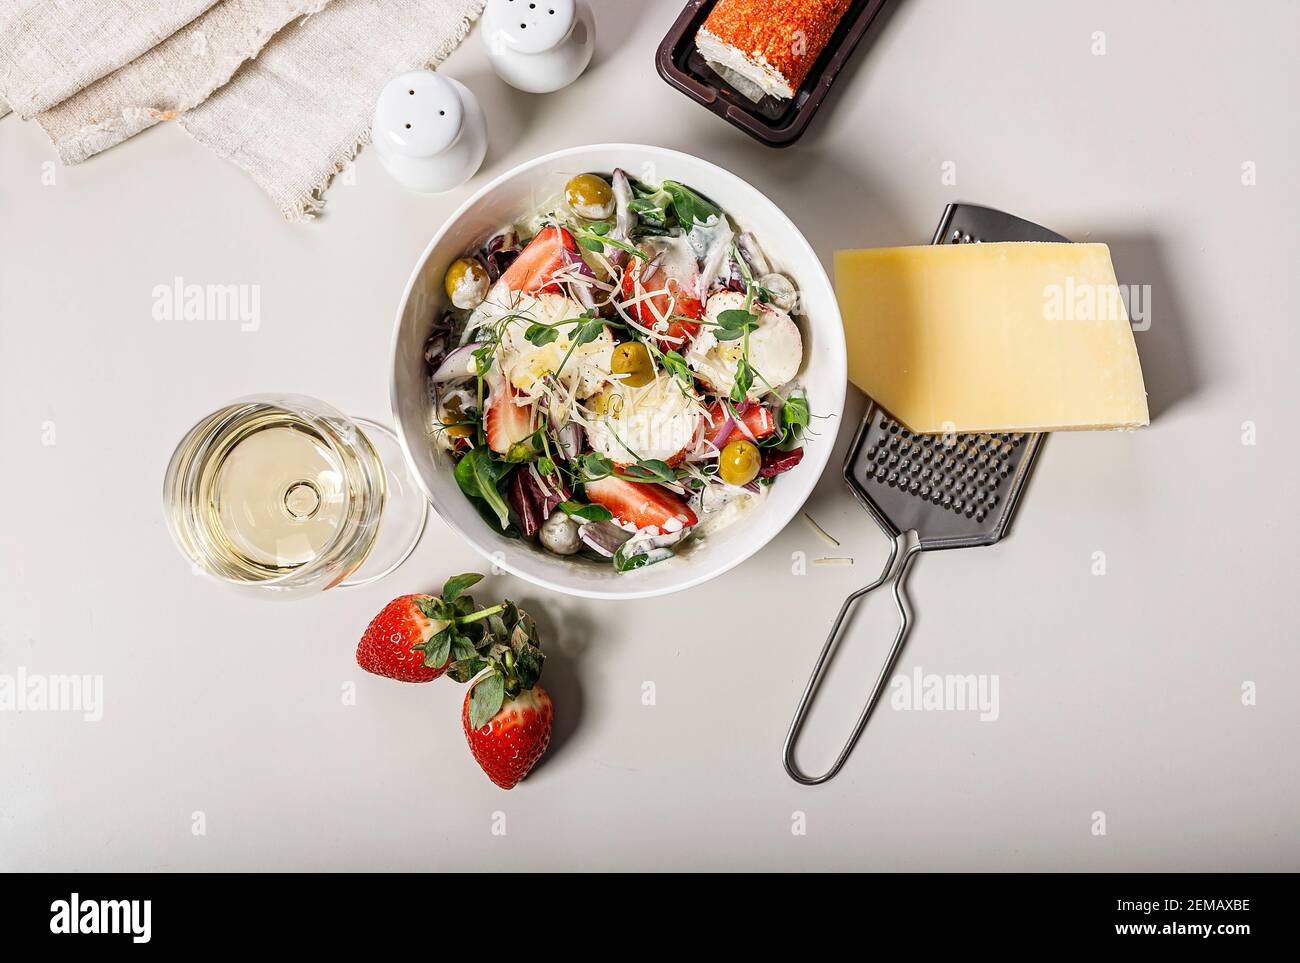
[{"x": 1017, "y": 336}]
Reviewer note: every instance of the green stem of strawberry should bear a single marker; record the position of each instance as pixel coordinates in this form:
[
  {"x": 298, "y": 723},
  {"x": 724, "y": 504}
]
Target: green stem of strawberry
[
  {"x": 511, "y": 677},
  {"x": 480, "y": 614}
]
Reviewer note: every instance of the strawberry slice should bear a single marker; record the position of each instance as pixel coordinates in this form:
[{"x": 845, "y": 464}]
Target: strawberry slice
[
  {"x": 505, "y": 423},
  {"x": 642, "y": 505},
  {"x": 756, "y": 418},
  {"x": 550, "y": 250},
  {"x": 683, "y": 309}
]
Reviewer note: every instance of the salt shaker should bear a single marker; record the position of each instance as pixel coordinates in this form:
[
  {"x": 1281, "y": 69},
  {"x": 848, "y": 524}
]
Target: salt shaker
[
  {"x": 429, "y": 131},
  {"x": 539, "y": 45}
]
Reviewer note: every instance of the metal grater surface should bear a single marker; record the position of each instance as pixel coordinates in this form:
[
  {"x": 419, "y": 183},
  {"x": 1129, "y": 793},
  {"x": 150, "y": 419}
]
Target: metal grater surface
[{"x": 954, "y": 490}]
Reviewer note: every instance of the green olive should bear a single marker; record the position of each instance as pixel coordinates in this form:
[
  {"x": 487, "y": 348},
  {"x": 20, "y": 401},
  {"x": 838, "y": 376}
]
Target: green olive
[
  {"x": 466, "y": 282},
  {"x": 739, "y": 462},
  {"x": 590, "y": 196},
  {"x": 632, "y": 359}
]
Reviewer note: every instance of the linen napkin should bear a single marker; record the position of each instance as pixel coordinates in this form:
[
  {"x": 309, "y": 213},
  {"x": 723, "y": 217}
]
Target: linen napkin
[
  {"x": 177, "y": 74},
  {"x": 96, "y": 72},
  {"x": 298, "y": 114},
  {"x": 50, "y": 49}
]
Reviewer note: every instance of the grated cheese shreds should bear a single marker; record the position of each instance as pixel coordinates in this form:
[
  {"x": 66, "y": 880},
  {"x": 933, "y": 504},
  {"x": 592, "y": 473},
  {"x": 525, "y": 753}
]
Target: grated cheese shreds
[{"x": 826, "y": 536}]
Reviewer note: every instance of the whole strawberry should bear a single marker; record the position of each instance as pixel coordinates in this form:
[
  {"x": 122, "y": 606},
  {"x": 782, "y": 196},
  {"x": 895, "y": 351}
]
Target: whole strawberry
[
  {"x": 509, "y": 744},
  {"x": 416, "y": 637},
  {"x": 507, "y": 716}
]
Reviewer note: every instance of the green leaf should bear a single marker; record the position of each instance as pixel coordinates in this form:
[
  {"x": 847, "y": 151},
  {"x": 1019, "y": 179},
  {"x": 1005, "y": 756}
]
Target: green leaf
[
  {"x": 676, "y": 365},
  {"x": 589, "y": 331},
  {"x": 434, "y": 609},
  {"x": 795, "y": 413},
  {"x": 735, "y": 318},
  {"x": 588, "y": 513},
  {"x": 437, "y": 649},
  {"x": 592, "y": 244},
  {"x": 593, "y": 467},
  {"x": 525, "y": 631},
  {"x": 627, "y": 562},
  {"x": 744, "y": 379},
  {"x": 462, "y": 670},
  {"x": 510, "y": 615},
  {"x": 462, "y": 647},
  {"x": 458, "y": 583},
  {"x": 691, "y": 208},
  {"x": 650, "y": 470},
  {"x": 490, "y": 519},
  {"x": 528, "y": 665},
  {"x": 545, "y": 466},
  {"x": 599, "y": 227},
  {"x": 654, "y": 209},
  {"x": 486, "y": 699},
  {"x": 483, "y": 357},
  {"x": 478, "y": 473},
  {"x": 734, "y": 324},
  {"x": 541, "y": 334}
]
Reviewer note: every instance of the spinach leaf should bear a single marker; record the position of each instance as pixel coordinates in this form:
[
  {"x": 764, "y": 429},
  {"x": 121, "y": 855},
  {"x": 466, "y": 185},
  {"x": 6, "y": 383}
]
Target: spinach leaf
[
  {"x": 478, "y": 473},
  {"x": 588, "y": 513},
  {"x": 690, "y": 207}
]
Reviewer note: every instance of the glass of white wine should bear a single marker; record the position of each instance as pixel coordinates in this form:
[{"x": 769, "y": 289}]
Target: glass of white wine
[{"x": 285, "y": 495}]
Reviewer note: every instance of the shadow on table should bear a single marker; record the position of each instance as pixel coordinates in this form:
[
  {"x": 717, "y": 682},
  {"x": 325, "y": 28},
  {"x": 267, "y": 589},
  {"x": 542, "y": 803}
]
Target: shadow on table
[
  {"x": 510, "y": 112},
  {"x": 1169, "y": 365},
  {"x": 560, "y": 676}
]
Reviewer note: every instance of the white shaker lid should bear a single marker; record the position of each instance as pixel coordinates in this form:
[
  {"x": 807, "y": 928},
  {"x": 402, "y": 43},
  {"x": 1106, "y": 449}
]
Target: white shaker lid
[
  {"x": 418, "y": 114},
  {"x": 530, "y": 26}
]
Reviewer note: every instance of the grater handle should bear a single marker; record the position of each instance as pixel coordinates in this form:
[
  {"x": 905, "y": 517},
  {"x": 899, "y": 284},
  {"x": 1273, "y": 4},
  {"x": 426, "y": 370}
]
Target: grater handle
[{"x": 905, "y": 548}]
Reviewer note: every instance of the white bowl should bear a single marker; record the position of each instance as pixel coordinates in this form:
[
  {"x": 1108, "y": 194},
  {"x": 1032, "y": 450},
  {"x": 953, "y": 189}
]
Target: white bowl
[{"x": 519, "y": 192}]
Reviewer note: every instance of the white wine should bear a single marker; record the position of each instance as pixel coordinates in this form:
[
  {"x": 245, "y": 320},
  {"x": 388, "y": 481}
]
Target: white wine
[{"x": 276, "y": 491}]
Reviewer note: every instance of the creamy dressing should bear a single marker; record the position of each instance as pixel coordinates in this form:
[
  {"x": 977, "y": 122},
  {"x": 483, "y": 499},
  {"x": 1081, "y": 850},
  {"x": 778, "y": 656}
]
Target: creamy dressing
[{"x": 720, "y": 506}]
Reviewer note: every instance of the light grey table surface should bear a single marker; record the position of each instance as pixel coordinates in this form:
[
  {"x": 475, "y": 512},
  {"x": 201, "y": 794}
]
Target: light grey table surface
[{"x": 1125, "y": 693}]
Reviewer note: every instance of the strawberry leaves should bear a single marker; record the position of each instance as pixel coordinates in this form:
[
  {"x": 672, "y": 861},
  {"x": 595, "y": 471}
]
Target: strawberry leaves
[
  {"x": 495, "y": 648},
  {"x": 486, "y": 699},
  {"x": 462, "y": 632},
  {"x": 458, "y": 583}
]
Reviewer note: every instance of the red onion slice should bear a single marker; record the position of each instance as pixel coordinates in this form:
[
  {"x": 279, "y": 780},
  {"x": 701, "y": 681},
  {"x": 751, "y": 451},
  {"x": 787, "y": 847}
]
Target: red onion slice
[
  {"x": 521, "y": 500},
  {"x": 775, "y": 461},
  {"x": 603, "y": 537},
  {"x": 456, "y": 365}
]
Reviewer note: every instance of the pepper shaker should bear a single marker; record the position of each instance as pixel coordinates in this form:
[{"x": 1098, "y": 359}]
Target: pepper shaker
[
  {"x": 539, "y": 45},
  {"x": 429, "y": 131}
]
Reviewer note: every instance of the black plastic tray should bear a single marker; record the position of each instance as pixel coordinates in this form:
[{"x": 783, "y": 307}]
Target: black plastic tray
[{"x": 772, "y": 121}]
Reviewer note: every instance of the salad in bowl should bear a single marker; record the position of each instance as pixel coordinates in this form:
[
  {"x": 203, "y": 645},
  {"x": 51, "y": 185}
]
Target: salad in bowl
[{"x": 616, "y": 374}]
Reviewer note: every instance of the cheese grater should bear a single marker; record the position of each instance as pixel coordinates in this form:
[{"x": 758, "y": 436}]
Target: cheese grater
[{"x": 926, "y": 492}]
